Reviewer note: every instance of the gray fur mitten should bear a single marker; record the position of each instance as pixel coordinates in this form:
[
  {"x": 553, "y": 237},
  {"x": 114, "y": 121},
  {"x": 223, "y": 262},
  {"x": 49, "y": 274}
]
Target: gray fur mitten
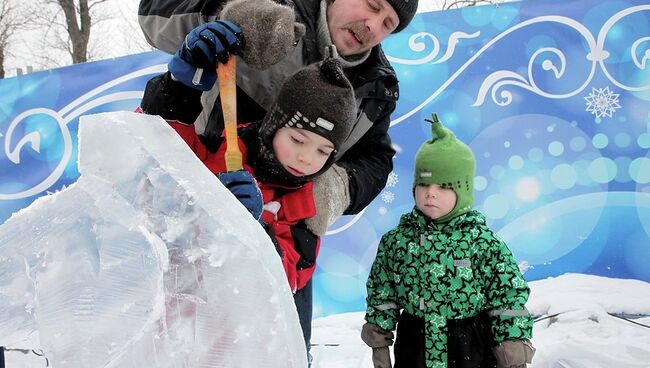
[
  {"x": 332, "y": 198},
  {"x": 514, "y": 353},
  {"x": 270, "y": 30}
]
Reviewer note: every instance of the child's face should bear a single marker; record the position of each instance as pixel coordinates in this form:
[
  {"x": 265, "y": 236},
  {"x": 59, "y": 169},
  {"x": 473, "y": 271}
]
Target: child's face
[
  {"x": 434, "y": 201},
  {"x": 300, "y": 151}
]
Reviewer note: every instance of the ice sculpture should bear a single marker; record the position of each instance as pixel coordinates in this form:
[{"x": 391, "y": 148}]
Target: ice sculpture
[{"x": 146, "y": 261}]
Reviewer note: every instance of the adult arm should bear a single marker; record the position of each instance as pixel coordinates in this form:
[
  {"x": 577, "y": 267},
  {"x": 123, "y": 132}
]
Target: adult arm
[
  {"x": 165, "y": 23},
  {"x": 172, "y": 100},
  {"x": 368, "y": 164},
  {"x": 360, "y": 174}
]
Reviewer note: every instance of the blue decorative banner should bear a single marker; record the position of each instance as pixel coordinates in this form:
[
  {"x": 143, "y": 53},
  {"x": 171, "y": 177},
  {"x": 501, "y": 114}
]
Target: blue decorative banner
[
  {"x": 39, "y": 113},
  {"x": 554, "y": 99}
]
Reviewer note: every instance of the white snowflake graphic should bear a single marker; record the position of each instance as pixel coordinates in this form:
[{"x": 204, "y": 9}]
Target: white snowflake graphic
[
  {"x": 602, "y": 102},
  {"x": 392, "y": 180},
  {"x": 387, "y": 196}
]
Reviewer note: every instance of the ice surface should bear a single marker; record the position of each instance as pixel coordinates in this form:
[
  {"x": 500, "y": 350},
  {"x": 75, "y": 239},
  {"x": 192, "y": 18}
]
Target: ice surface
[{"x": 146, "y": 261}]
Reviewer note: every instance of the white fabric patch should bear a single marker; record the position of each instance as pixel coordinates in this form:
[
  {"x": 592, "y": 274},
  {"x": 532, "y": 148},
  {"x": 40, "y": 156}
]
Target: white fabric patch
[
  {"x": 426, "y": 174},
  {"x": 273, "y": 207},
  {"x": 324, "y": 124}
]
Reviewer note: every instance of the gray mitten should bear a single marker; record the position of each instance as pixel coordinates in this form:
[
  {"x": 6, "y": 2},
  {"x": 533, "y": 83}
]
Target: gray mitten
[
  {"x": 379, "y": 340},
  {"x": 332, "y": 197},
  {"x": 514, "y": 353},
  {"x": 270, "y": 29}
]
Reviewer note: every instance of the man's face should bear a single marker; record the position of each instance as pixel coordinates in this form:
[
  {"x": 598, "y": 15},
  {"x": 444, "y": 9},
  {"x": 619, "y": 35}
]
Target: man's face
[{"x": 358, "y": 25}]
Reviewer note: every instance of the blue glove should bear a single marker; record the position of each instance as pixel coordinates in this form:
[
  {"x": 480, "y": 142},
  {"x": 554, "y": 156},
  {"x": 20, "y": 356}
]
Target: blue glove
[
  {"x": 244, "y": 187},
  {"x": 195, "y": 61}
]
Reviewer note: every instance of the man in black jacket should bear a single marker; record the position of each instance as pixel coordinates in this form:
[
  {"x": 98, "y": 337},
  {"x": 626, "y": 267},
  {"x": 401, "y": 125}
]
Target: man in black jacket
[{"x": 275, "y": 47}]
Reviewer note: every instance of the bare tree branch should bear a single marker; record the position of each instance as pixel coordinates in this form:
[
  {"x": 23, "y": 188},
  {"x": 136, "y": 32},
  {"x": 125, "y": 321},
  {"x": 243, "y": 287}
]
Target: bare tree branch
[
  {"x": 456, "y": 4},
  {"x": 12, "y": 20}
]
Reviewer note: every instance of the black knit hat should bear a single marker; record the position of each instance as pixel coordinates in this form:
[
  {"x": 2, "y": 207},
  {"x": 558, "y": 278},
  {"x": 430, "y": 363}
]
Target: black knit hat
[
  {"x": 318, "y": 98},
  {"x": 405, "y": 10}
]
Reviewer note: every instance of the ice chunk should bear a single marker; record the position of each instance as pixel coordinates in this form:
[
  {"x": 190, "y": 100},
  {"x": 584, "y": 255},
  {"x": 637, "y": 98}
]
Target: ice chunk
[{"x": 146, "y": 261}]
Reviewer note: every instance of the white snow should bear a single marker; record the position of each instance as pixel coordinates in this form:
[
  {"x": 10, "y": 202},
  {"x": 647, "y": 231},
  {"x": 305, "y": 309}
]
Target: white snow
[
  {"x": 146, "y": 260},
  {"x": 582, "y": 335}
]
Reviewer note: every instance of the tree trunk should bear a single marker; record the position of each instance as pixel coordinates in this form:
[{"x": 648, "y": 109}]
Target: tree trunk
[
  {"x": 2, "y": 63},
  {"x": 79, "y": 33}
]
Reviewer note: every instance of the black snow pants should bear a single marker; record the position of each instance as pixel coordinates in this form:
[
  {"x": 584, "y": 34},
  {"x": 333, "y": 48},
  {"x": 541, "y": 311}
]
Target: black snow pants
[{"x": 469, "y": 343}]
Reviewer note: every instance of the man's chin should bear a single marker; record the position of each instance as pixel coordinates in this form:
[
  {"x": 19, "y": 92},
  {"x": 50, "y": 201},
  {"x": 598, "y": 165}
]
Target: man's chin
[{"x": 351, "y": 51}]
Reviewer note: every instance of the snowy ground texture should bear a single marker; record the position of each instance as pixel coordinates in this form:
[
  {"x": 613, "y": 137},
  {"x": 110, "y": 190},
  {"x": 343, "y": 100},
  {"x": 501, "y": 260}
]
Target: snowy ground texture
[{"x": 577, "y": 328}]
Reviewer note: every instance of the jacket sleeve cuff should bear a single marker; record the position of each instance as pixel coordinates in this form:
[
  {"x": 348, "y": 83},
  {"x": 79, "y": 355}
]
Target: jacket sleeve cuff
[{"x": 171, "y": 100}]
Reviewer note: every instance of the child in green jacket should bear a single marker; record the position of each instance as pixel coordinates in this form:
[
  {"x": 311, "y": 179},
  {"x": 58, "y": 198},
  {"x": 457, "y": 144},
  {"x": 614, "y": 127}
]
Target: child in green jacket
[{"x": 443, "y": 278}]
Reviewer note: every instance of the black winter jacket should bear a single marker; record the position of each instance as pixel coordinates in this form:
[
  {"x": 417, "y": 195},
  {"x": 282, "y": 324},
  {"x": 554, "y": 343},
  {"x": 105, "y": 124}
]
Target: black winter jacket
[{"x": 366, "y": 155}]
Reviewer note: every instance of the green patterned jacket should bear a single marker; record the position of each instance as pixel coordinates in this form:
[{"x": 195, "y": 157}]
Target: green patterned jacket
[{"x": 447, "y": 271}]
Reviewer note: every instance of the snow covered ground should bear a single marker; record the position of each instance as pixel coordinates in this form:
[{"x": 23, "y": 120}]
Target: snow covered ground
[{"x": 580, "y": 334}]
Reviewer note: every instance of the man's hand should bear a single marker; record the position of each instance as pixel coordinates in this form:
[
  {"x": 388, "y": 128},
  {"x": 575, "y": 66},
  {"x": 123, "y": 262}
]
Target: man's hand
[
  {"x": 271, "y": 30},
  {"x": 195, "y": 61},
  {"x": 244, "y": 187},
  {"x": 514, "y": 353}
]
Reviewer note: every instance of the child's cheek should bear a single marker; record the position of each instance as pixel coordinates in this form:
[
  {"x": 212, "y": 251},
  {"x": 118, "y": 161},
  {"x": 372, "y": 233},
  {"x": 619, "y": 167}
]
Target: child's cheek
[{"x": 282, "y": 153}]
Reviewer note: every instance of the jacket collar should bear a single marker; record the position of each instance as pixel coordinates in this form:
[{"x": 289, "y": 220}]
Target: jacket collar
[{"x": 417, "y": 220}]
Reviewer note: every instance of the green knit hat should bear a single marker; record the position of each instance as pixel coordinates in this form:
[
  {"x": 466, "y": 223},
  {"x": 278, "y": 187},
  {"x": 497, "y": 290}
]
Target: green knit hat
[{"x": 446, "y": 161}]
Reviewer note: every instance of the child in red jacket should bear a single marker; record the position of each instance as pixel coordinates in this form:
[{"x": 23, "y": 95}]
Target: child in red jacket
[{"x": 296, "y": 141}]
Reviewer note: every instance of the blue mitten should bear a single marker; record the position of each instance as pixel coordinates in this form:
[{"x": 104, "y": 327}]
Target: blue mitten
[
  {"x": 195, "y": 61},
  {"x": 244, "y": 187}
]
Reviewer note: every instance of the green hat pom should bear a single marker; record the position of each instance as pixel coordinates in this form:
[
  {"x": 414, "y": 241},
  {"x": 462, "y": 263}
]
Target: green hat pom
[
  {"x": 444, "y": 160},
  {"x": 438, "y": 131}
]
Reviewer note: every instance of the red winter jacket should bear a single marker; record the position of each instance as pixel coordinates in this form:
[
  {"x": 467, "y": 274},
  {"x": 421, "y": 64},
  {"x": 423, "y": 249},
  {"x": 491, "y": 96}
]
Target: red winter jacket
[{"x": 285, "y": 208}]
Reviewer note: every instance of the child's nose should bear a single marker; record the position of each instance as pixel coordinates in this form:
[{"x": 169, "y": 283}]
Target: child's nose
[
  {"x": 432, "y": 192},
  {"x": 304, "y": 157}
]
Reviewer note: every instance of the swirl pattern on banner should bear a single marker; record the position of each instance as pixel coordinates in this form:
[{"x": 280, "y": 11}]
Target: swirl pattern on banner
[
  {"x": 70, "y": 112},
  {"x": 501, "y": 79}
]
